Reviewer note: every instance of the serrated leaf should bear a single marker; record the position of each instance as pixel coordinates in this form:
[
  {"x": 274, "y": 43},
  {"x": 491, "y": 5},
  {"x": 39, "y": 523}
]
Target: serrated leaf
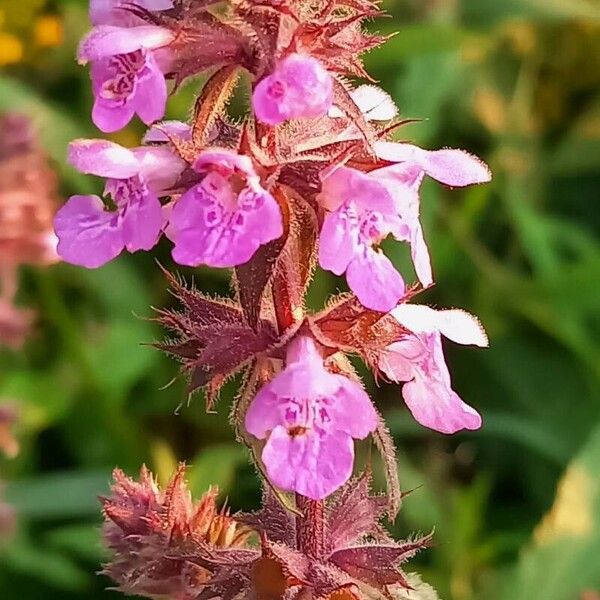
[
  {"x": 385, "y": 444},
  {"x": 212, "y": 102},
  {"x": 378, "y": 564},
  {"x": 272, "y": 520},
  {"x": 355, "y": 513},
  {"x": 349, "y": 326},
  {"x": 212, "y": 339}
]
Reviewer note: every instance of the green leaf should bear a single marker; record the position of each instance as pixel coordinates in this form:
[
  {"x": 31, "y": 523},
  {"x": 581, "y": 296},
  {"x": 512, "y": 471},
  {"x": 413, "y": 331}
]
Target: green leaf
[
  {"x": 59, "y": 495},
  {"x": 561, "y": 560},
  {"x": 414, "y": 40},
  {"x": 53, "y": 568},
  {"x": 43, "y": 397},
  {"x": 215, "y": 465},
  {"x": 117, "y": 356},
  {"x": 79, "y": 540}
]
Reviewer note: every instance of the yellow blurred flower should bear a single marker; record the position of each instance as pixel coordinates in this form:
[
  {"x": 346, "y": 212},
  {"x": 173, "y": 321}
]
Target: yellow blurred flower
[
  {"x": 572, "y": 513},
  {"x": 11, "y": 49},
  {"x": 48, "y": 31},
  {"x": 491, "y": 109}
]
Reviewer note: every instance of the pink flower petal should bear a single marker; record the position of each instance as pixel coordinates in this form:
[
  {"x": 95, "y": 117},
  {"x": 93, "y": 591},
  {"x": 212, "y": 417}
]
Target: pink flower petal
[
  {"x": 208, "y": 231},
  {"x": 264, "y": 222},
  {"x": 338, "y": 242},
  {"x": 457, "y": 325},
  {"x": 345, "y": 184},
  {"x": 159, "y": 167},
  {"x": 265, "y": 108},
  {"x": 109, "y": 116},
  {"x": 225, "y": 163},
  {"x": 419, "y": 359},
  {"x": 375, "y": 281},
  {"x": 462, "y": 327},
  {"x": 111, "y": 12},
  {"x": 88, "y": 235},
  {"x": 306, "y": 379},
  {"x": 353, "y": 412},
  {"x": 439, "y": 407},
  {"x": 165, "y": 130},
  {"x": 109, "y": 40},
  {"x": 403, "y": 187},
  {"x": 300, "y": 87},
  {"x": 150, "y": 98},
  {"x": 395, "y": 364},
  {"x": 142, "y": 223},
  {"x": 374, "y": 103},
  {"x": 452, "y": 167},
  {"x": 310, "y": 464},
  {"x": 455, "y": 167},
  {"x": 263, "y": 414},
  {"x": 103, "y": 158},
  {"x": 420, "y": 255}
]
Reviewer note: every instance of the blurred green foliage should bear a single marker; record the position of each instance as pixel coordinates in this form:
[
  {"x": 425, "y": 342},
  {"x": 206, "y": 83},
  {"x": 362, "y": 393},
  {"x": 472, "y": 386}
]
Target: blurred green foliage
[{"x": 515, "y": 82}]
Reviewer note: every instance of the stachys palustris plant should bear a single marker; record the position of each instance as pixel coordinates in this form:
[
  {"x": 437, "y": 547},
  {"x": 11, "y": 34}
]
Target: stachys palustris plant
[{"x": 309, "y": 177}]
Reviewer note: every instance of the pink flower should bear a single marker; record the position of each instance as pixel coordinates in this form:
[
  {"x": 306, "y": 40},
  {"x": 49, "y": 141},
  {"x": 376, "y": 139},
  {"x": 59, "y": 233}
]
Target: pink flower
[
  {"x": 127, "y": 73},
  {"x": 89, "y": 234},
  {"x": 223, "y": 220},
  {"x": 364, "y": 208},
  {"x": 308, "y": 417},
  {"x": 299, "y": 87},
  {"x": 114, "y": 12},
  {"x": 361, "y": 213},
  {"x": 418, "y": 359}
]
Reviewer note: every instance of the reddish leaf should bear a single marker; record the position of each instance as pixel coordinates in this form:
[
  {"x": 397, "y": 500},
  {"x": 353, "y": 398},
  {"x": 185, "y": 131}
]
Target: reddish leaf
[
  {"x": 228, "y": 350},
  {"x": 203, "y": 41},
  {"x": 272, "y": 520},
  {"x": 212, "y": 339},
  {"x": 212, "y": 102},
  {"x": 387, "y": 450},
  {"x": 378, "y": 565},
  {"x": 355, "y": 514},
  {"x": 326, "y": 579},
  {"x": 295, "y": 564},
  {"x": 349, "y": 326}
]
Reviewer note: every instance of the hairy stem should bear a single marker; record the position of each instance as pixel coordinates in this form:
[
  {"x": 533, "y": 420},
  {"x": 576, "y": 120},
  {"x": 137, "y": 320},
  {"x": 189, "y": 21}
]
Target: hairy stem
[{"x": 310, "y": 528}]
